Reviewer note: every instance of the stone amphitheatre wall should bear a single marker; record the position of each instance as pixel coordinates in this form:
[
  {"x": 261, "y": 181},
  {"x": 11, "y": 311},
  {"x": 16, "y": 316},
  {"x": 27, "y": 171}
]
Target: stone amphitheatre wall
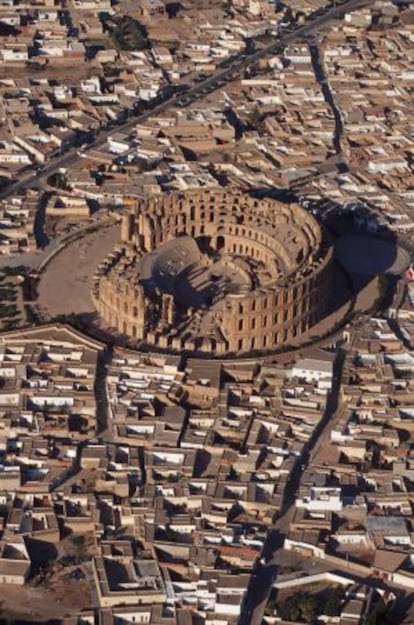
[{"x": 291, "y": 298}]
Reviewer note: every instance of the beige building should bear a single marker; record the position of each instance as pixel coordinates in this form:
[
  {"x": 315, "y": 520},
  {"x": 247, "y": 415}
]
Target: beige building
[
  {"x": 67, "y": 206},
  {"x": 121, "y": 578}
]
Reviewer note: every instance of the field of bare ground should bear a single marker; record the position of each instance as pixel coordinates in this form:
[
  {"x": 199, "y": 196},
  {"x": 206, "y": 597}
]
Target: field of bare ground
[
  {"x": 65, "y": 285},
  {"x": 63, "y": 596}
]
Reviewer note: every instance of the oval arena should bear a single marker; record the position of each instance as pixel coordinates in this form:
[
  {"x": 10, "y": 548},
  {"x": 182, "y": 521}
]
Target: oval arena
[{"x": 215, "y": 272}]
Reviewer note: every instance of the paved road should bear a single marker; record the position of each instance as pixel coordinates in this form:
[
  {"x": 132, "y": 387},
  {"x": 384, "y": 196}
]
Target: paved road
[
  {"x": 210, "y": 84},
  {"x": 36, "y": 260}
]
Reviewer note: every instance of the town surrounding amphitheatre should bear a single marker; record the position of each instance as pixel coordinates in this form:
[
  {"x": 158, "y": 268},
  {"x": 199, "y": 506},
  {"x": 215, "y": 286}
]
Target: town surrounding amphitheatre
[{"x": 206, "y": 312}]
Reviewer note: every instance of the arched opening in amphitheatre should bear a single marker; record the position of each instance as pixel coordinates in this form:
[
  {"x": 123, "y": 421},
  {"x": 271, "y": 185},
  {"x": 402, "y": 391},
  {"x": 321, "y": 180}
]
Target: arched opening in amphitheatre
[{"x": 220, "y": 243}]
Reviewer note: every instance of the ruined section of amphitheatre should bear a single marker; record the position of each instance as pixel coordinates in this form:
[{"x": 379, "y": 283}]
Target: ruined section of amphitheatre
[{"x": 215, "y": 272}]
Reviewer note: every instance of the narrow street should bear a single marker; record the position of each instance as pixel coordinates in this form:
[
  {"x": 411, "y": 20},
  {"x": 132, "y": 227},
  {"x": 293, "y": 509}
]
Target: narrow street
[
  {"x": 264, "y": 575},
  {"x": 322, "y": 78},
  {"x": 104, "y": 423}
]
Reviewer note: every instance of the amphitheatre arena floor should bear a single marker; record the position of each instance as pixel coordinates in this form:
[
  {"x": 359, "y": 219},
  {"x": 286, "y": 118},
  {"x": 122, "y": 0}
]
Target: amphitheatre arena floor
[{"x": 65, "y": 284}]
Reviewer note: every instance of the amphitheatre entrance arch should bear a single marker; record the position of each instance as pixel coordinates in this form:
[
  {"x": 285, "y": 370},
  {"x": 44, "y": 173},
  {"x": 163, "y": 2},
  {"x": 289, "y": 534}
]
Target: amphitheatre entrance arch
[{"x": 220, "y": 242}]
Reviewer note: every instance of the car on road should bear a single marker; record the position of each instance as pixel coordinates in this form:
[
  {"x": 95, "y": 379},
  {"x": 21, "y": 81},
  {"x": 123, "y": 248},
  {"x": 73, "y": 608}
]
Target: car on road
[
  {"x": 179, "y": 89},
  {"x": 184, "y": 102},
  {"x": 200, "y": 77}
]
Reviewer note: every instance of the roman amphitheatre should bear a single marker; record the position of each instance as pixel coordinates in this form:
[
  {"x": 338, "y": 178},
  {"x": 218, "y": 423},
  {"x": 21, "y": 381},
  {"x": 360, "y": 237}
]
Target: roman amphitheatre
[{"x": 214, "y": 272}]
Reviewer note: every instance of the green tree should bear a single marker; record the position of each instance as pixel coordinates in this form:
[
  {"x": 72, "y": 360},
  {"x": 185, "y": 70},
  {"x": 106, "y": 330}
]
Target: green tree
[
  {"x": 270, "y": 607},
  {"x": 379, "y": 615},
  {"x": 333, "y": 603},
  {"x": 299, "y": 607},
  {"x": 309, "y": 608},
  {"x": 289, "y": 609},
  {"x": 79, "y": 545}
]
